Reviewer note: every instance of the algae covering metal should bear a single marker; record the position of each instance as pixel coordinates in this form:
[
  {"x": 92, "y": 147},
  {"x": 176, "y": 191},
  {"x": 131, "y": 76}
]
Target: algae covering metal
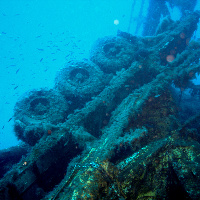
[{"x": 126, "y": 142}]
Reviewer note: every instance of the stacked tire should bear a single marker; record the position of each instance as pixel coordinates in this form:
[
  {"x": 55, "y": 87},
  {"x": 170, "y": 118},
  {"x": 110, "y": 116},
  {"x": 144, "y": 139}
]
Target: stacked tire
[
  {"x": 112, "y": 54},
  {"x": 79, "y": 80},
  {"x": 36, "y": 112}
]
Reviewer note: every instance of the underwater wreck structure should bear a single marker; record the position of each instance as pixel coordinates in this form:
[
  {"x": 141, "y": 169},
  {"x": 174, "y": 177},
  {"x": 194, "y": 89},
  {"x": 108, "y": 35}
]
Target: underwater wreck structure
[{"x": 124, "y": 139}]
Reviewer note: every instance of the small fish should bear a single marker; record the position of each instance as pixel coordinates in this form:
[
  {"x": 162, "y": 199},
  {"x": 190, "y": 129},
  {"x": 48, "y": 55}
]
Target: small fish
[
  {"x": 10, "y": 119},
  {"x": 68, "y": 55},
  {"x": 15, "y": 87},
  {"x": 40, "y": 49},
  {"x": 3, "y": 127},
  {"x": 41, "y": 59},
  {"x": 17, "y": 71}
]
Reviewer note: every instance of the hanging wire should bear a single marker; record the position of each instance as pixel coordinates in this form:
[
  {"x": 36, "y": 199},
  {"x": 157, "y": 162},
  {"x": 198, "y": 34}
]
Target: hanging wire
[{"x": 131, "y": 15}]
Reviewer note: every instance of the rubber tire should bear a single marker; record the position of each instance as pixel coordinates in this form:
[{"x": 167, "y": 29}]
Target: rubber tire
[
  {"x": 112, "y": 54},
  {"x": 79, "y": 79},
  {"x": 36, "y": 112}
]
